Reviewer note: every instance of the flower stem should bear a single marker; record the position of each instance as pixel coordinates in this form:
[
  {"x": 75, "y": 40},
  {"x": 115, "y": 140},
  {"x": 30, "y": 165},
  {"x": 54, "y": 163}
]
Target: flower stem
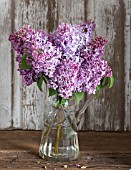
[
  {"x": 46, "y": 134},
  {"x": 56, "y": 151}
]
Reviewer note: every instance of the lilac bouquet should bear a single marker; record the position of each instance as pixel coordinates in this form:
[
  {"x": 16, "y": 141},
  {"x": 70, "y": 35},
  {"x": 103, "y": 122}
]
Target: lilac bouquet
[{"x": 68, "y": 60}]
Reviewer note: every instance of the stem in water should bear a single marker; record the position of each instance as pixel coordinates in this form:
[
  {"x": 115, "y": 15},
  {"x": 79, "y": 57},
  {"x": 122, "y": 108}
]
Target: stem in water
[
  {"x": 57, "y": 140},
  {"x": 46, "y": 134}
]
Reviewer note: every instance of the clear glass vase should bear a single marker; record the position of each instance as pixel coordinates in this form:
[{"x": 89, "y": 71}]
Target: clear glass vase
[{"x": 59, "y": 141}]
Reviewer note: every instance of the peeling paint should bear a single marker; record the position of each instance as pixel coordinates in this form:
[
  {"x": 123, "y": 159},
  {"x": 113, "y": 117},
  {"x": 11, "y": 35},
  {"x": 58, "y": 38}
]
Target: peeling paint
[{"x": 27, "y": 108}]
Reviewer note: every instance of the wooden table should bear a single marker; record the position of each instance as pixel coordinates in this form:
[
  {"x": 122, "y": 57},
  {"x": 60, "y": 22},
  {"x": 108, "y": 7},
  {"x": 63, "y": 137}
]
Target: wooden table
[{"x": 99, "y": 150}]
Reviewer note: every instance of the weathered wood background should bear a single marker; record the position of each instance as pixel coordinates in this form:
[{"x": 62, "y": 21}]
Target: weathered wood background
[{"x": 25, "y": 107}]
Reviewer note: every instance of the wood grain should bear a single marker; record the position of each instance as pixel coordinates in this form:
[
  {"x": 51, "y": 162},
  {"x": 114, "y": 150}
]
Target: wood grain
[
  {"x": 16, "y": 78},
  {"x": 98, "y": 150},
  {"x": 108, "y": 111},
  {"x": 127, "y": 62},
  {"x": 33, "y": 103},
  {"x": 26, "y": 107},
  {"x": 5, "y": 66},
  {"x": 67, "y": 13}
]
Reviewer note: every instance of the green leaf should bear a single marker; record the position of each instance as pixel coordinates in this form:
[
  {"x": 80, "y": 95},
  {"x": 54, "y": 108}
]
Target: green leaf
[
  {"x": 105, "y": 82},
  {"x": 24, "y": 64},
  {"x": 45, "y": 79},
  {"x": 79, "y": 96},
  {"x": 52, "y": 92},
  {"x": 56, "y": 104},
  {"x": 98, "y": 89},
  {"x": 63, "y": 101},
  {"x": 39, "y": 82},
  {"x": 111, "y": 81}
]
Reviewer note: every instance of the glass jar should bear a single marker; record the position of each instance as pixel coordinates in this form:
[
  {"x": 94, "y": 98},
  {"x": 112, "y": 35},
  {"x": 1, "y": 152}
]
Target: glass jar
[{"x": 59, "y": 141}]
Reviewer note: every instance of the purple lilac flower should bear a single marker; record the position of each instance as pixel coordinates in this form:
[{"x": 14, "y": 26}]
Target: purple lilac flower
[
  {"x": 46, "y": 60},
  {"x": 41, "y": 54},
  {"x": 71, "y": 38},
  {"x": 64, "y": 78},
  {"x": 70, "y": 57}
]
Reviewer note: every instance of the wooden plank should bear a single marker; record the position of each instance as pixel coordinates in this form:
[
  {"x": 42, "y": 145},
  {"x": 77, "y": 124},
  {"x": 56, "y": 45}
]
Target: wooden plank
[
  {"x": 72, "y": 12},
  {"x": 127, "y": 61},
  {"x": 89, "y": 13},
  {"x": 98, "y": 150},
  {"x": 5, "y": 65},
  {"x": 52, "y": 15},
  {"x": 74, "y": 168},
  {"x": 16, "y": 86},
  {"x": 32, "y": 102},
  {"x": 26, "y": 107},
  {"x": 30, "y": 105},
  {"x": 108, "y": 111},
  {"x": 93, "y": 142}
]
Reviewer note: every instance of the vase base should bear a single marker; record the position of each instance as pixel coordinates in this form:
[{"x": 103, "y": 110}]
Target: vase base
[{"x": 65, "y": 154}]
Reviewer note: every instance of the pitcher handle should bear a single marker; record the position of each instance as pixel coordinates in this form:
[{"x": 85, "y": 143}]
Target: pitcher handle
[{"x": 80, "y": 113}]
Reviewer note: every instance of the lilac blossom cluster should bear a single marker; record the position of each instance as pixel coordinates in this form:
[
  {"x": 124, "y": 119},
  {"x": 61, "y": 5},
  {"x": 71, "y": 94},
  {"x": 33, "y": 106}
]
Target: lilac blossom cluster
[{"x": 70, "y": 58}]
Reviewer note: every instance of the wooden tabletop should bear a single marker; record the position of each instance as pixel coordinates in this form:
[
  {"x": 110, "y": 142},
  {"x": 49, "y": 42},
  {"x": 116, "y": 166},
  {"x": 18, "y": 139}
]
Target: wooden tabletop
[{"x": 98, "y": 150}]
